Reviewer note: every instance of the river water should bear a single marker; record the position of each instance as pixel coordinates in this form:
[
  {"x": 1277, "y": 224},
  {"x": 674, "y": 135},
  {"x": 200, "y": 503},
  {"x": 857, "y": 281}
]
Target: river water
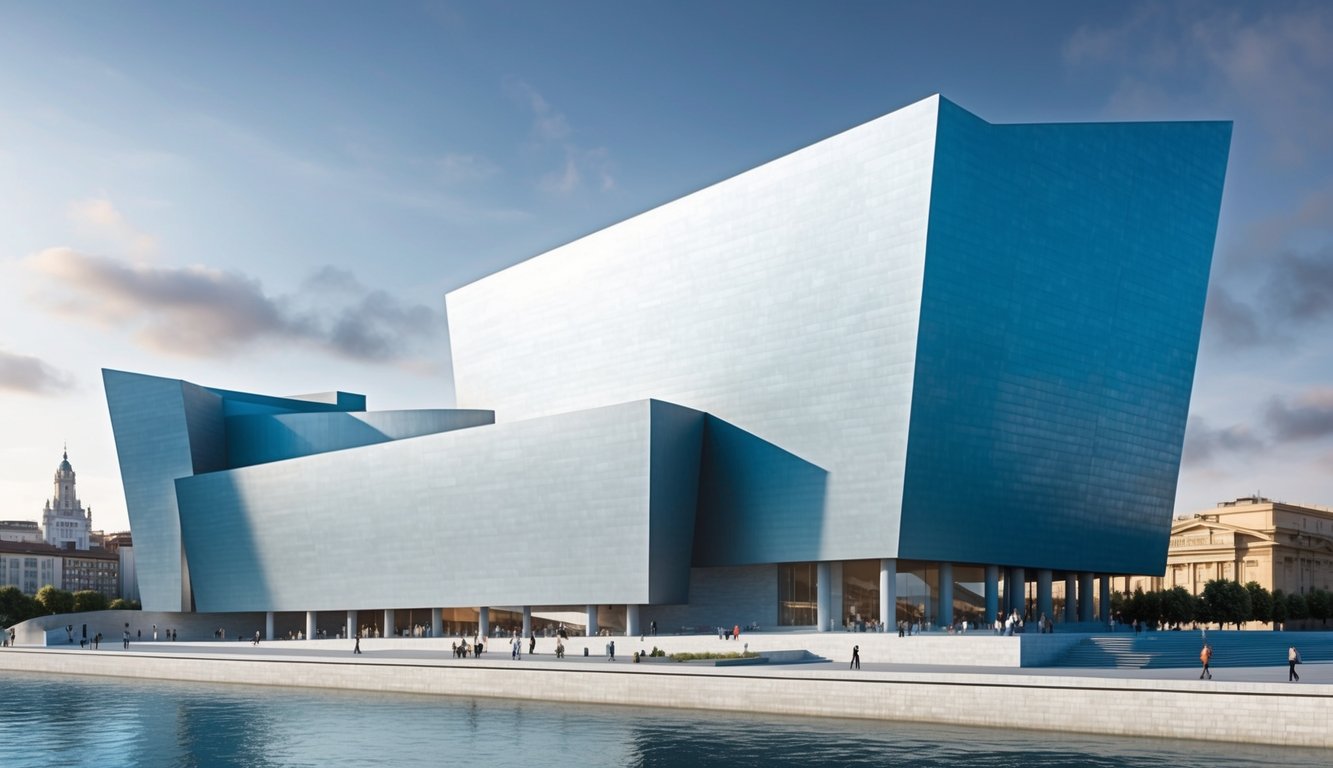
[{"x": 72, "y": 721}]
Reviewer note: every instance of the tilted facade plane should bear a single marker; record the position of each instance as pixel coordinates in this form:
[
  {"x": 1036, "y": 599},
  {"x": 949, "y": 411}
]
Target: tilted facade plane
[{"x": 929, "y": 368}]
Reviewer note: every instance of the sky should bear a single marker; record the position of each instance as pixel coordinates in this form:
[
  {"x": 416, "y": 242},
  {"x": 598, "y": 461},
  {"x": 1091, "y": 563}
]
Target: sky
[{"x": 275, "y": 197}]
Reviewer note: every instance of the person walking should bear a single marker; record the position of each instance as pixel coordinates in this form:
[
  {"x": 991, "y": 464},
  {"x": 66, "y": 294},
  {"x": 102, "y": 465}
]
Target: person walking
[
  {"x": 1205, "y": 656},
  {"x": 357, "y": 647},
  {"x": 1293, "y": 658},
  {"x": 856, "y": 657},
  {"x": 611, "y": 650}
]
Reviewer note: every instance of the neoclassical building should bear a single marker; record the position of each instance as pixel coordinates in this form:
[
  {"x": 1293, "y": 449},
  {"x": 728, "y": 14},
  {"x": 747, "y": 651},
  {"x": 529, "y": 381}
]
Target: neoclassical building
[
  {"x": 1279, "y": 545},
  {"x": 65, "y": 523},
  {"x": 916, "y": 371}
]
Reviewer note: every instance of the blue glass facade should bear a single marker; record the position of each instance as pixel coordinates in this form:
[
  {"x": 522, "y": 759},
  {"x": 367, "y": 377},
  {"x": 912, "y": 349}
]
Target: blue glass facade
[{"x": 928, "y": 338}]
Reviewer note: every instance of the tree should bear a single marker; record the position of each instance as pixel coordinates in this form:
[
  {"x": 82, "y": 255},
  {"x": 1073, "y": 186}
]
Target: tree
[
  {"x": 1261, "y": 603},
  {"x": 1317, "y": 605},
  {"x": 1297, "y": 608},
  {"x": 1279, "y": 608},
  {"x": 55, "y": 600},
  {"x": 1177, "y": 606},
  {"x": 1228, "y": 602},
  {"x": 1131, "y": 608},
  {"x": 16, "y": 606},
  {"x": 1150, "y": 608},
  {"x": 1202, "y": 613},
  {"x": 89, "y": 600}
]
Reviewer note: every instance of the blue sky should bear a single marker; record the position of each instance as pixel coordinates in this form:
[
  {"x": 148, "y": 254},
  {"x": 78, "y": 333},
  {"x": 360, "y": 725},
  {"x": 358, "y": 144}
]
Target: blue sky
[{"x": 276, "y": 196}]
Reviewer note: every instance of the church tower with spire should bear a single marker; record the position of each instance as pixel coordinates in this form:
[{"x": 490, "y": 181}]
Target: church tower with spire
[{"x": 65, "y": 522}]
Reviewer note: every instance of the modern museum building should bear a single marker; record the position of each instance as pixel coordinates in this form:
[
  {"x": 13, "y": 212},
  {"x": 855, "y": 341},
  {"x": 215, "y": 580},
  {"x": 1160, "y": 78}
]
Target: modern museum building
[{"x": 926, "y": 370}]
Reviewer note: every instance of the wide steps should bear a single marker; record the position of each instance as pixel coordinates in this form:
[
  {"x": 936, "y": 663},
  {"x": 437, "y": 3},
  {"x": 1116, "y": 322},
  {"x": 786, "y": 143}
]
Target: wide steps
[{"x": 1169, "y": 650}]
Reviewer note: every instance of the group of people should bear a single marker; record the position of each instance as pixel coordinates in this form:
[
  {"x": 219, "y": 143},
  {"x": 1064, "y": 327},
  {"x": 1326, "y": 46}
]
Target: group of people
[
  {"x": 722, "y": 633},
  {"x": 462, "y": 648},
  {"x": 1293, "y": 658}
]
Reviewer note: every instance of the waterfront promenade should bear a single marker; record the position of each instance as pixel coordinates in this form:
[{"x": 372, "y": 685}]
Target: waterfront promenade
[{"x": 1243, "y": 704}]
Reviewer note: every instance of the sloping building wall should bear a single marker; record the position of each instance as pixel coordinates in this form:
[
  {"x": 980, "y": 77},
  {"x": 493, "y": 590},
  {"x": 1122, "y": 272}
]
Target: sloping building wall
[{"x": 588, "y": 507}]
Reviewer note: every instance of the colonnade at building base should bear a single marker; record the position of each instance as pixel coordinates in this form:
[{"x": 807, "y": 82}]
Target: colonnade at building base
[
  {"x": 453, "y": 622},
  {"x": 1081, "y": 602}
]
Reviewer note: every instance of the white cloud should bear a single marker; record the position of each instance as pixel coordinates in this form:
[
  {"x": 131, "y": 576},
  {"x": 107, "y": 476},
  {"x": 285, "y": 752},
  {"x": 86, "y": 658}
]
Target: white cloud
[
  {"x": 551, "y": 130},
  {"x": 29, "y": 375},
  {"x": 199, "y": 311},
  {"x": 101, "y": 219}
]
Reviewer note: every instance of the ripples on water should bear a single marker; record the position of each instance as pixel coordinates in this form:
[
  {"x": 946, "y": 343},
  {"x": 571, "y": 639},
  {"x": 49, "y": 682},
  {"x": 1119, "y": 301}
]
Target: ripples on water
[{"x": 71, "y": 721}]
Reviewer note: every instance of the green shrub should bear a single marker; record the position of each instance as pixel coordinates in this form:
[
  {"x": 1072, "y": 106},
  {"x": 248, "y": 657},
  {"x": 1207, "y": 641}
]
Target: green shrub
[{"x": 707, "y": 656}]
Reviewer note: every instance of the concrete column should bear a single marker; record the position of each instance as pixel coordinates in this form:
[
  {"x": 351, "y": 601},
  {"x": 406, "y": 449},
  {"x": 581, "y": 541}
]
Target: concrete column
[
  {"x": 1019, "y": 600},
  {"x": 946, "y": 595},
  {"x": 592, "y": 620},
  {"x": 992, "y": 593},
  {"x": 837, "y": 606},
  {"x": 352, "y": 628},
  {"x": 1045, "y": 605},
  {"x": 1104, "y": 594},
  {"x": 1085, "y": 597},
  {"x": 437, "y": 622},
  {"x": 1071, "y": 597},
  {"x": 888, "y": 593},
  {"x": 632, "y": 620},
  {"x": 268, "y": 625},
  {"x": 527, "y": 620},
  {"x": 389, "y": 623},
  {"x": 311, "y": 624},
  {"x": 823, "y": 596},
  {"x": 484, "y": 621}
]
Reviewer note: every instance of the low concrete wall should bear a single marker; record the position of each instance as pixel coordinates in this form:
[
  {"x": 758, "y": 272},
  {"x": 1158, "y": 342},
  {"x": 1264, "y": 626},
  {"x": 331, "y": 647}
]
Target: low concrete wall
[
  {"x": 189, "y": 626},
  {"x": 1259, "y": 713}
]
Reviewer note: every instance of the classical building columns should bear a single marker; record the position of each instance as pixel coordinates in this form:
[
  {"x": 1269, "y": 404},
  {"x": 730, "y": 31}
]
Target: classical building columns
[
  {"x": 437, "y": 622},
  {"x": 311, "y": 624},
  {"x": 1071, "y": 597},
  {"x": 352, "y": 629},
  {"x": 268, "y": 625}
]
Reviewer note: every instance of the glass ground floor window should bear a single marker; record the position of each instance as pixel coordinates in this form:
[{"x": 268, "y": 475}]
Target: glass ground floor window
[
  {"x": 918, "y": 593},
  {"x": 860, "y": 593},
  {"x": 797, "y": 596}
]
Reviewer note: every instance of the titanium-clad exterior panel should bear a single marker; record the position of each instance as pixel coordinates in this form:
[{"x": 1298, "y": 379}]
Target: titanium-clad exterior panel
[
  {"x": 160, "y": 428},
  {"x": 260, "y": 439},
  {"x": 783, "y": 301},
  {"x": 1065, "y": 280},
  {"x": 588, "y": 507}
]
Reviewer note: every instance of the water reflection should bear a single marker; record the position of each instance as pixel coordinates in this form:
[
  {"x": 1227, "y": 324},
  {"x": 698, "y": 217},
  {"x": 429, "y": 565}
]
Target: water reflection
[{"x": 55, "y": 720}]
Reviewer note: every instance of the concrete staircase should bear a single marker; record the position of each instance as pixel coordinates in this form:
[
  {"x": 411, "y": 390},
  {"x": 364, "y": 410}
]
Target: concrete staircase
[{"x": 1161, "y": 650}]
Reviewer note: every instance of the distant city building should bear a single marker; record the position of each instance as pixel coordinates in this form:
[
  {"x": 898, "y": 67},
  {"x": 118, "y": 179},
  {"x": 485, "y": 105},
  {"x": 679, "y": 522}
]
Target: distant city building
[
  {"x": 95, "y": 569},
  {"x": 20, "y": 530},
  {"x": 32, "y": 565},
  {"x": 66, "y": 523},
  {"x": 122, "y": 544},
  {"x": 1280, "y": 546},
  {"x": 29, "y": 565}
]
